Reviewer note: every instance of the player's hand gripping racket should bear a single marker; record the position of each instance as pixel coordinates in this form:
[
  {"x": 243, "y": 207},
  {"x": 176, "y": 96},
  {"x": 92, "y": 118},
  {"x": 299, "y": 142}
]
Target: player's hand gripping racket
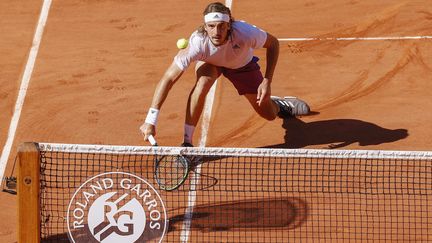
[{"x": 171, "y": 171}]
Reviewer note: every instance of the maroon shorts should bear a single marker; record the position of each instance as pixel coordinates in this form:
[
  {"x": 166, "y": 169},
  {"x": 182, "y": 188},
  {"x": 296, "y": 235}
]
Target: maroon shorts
[{"x": 245, "y": 79}]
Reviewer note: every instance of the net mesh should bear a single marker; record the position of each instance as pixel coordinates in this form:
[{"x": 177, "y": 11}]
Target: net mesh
[{"x": 260, "y": 195}]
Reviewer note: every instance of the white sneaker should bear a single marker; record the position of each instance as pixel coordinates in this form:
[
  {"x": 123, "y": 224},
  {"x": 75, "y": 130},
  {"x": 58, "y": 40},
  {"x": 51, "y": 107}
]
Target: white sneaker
[{"x": 291, "y": 106}]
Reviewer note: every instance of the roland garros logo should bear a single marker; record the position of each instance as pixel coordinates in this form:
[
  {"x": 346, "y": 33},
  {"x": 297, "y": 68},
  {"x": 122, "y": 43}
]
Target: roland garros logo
[{"x": 116, "y": 207}]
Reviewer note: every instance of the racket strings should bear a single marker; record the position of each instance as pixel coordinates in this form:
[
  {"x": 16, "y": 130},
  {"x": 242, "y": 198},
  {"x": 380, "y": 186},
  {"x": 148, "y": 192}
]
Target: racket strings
[{"x": 171, "y": 171}]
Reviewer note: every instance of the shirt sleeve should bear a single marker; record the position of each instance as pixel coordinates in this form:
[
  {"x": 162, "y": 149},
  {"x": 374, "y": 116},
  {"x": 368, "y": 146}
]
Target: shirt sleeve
[
  {"x": 257, "y": 36},
  {"x": 192, "y": 53}
]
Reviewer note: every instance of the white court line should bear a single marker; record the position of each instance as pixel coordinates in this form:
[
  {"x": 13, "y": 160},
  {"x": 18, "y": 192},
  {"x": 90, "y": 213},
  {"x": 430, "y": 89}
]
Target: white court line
[
  {"x": 208, "y": 106},
  {"x": 196, "y": 176},
  {"x": 24, "y": 85},
  {"x": 358, "y": 38}
]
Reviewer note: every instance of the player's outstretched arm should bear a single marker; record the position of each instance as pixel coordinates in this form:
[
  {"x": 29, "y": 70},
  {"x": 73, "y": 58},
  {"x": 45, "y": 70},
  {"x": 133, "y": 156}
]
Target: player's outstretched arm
[
  {"x": 272, "y": 54},
  {"x": 172, "y": 74}
]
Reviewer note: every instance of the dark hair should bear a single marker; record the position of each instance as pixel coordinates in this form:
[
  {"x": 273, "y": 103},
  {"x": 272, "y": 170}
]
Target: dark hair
[{"x": 215, "y": 7}]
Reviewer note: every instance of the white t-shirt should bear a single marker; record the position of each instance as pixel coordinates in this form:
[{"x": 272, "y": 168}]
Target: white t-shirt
[{"x": 235, "y": 53}]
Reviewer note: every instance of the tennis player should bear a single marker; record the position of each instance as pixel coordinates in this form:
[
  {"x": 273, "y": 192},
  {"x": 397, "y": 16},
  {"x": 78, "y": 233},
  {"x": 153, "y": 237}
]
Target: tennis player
[{"x": 223, "y": 46}]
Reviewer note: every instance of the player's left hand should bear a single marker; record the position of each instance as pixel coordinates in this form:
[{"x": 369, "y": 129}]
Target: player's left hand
[{"x": 264, "y": 91}]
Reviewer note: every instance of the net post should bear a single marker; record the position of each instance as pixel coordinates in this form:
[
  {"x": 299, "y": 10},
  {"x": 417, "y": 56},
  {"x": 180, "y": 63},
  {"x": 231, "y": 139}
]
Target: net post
[{"x": 28, "y": 193}]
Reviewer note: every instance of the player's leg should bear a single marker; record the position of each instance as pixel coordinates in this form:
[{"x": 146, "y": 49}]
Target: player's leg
[
  {"x": 247, "y": 80},
  {"x": 206, "y": 75},
  {"x": 286, "y": 107},
  {"x": 267, "y": 110}
]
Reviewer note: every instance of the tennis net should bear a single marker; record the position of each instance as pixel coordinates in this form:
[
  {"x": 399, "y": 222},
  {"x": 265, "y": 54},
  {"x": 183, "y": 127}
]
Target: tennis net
[{"x": 232, "y": 195}]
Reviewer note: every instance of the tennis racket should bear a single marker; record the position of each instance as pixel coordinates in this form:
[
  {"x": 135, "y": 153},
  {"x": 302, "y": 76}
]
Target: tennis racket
[{"x": 171, "y": 171}]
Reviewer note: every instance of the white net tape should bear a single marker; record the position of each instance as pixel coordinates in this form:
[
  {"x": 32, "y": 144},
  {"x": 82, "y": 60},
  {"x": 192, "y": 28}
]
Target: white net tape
[{"x": 250, "y": 152}]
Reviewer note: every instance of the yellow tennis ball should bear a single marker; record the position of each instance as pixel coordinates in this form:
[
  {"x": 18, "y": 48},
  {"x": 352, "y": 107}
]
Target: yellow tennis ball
[{"x": 182, "y": 43}]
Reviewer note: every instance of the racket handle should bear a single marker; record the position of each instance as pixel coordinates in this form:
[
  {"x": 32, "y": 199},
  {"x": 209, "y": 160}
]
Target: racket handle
[{"x": 152, "y": 140}]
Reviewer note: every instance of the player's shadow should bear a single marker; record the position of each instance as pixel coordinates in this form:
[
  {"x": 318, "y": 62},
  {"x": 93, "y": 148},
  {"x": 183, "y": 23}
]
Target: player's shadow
[
  {"x": 245, "y": 215},
  {"x": 336, "y": 133}
]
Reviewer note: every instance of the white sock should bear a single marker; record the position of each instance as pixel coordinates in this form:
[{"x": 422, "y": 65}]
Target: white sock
[{"x": 188, "y": 133}]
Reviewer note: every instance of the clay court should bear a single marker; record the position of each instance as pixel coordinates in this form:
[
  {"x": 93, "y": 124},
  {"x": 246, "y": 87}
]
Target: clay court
[{"x": 100, "y": 60}]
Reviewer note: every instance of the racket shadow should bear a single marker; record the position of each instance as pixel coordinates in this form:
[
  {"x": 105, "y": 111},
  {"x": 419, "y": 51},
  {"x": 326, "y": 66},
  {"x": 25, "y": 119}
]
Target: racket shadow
[{"x": 197, "y": 179}]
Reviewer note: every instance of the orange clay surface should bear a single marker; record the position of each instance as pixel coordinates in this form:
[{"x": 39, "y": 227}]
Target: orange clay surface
[{"x": 100, "y": 60}]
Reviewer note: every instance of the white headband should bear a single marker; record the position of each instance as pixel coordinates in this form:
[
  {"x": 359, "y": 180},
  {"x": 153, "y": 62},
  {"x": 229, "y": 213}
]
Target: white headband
[{"x": 216, "y": 16}]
